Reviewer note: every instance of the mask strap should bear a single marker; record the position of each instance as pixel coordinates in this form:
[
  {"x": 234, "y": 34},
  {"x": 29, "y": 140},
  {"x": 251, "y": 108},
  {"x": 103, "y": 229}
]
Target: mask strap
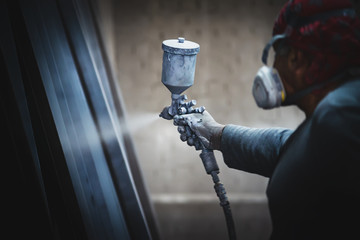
[
  {"x": 269, "y": 45},
  {"x": 293, "y": 98}
]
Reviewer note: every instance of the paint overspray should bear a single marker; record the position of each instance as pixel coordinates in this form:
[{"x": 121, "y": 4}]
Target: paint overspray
[
  {"x": 139, "y": 120},
  {"x": 130, "y": 125},
  {"x": 111, "y": 131}
]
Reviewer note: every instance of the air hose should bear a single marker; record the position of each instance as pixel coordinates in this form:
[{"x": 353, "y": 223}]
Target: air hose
[{"x": 208, "y": 158}]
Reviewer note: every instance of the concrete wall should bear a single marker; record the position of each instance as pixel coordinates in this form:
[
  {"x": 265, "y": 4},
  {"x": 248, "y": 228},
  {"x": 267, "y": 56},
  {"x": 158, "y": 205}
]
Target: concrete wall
[{"x": 231, "y": 35}]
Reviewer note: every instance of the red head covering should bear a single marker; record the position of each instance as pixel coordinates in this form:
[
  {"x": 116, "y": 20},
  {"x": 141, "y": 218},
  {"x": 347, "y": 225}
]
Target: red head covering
[{"x": 317, "y": 27}]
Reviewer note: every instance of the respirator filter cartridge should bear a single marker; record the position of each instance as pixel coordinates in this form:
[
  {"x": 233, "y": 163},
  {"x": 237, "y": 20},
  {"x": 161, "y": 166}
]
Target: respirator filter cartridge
[{"x": 268, "y": 90}]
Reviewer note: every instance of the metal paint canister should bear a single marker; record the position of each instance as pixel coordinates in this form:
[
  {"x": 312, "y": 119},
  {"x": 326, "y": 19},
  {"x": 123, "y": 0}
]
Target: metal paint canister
[{"x": 179, "y": 60}]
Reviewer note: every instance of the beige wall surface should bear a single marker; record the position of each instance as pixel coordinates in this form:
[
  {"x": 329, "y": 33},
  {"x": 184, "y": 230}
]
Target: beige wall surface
[{"x": 232, "y": 35}]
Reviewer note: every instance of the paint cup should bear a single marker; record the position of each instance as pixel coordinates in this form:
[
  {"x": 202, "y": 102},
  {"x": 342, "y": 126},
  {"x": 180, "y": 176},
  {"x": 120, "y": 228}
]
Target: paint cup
[{"x": 178, "y": 68}]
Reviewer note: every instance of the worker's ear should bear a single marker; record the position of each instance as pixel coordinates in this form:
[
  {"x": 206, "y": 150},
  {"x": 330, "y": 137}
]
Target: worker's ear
[{"x": 298, "y": 62}]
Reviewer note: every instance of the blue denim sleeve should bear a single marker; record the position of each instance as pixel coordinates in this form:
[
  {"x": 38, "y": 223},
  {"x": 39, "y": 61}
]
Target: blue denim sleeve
[{"x": 253, "y": 150}]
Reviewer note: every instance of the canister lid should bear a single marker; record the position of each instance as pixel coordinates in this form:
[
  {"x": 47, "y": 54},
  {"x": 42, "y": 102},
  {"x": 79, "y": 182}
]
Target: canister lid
[{"x": 180, "y": 46}]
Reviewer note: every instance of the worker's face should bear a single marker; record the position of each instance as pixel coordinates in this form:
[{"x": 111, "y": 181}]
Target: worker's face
[
  {"x": 291, "y": 70},
  {"x": 280, "y": 64}
]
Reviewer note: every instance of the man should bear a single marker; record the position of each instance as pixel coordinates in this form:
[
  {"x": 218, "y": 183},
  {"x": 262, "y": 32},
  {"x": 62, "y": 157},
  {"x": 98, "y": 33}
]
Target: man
[{"x": 314, "y": 171}]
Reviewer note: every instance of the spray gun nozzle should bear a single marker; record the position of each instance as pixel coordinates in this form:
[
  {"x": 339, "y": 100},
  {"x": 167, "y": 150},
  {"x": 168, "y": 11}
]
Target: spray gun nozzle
[{"x": 165, "y": 114}]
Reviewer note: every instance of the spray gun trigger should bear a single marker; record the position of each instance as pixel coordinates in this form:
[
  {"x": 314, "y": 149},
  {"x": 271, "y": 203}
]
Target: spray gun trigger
[
  {"x": 182, "y": 110},
  {"x": 192, "y": 103}
]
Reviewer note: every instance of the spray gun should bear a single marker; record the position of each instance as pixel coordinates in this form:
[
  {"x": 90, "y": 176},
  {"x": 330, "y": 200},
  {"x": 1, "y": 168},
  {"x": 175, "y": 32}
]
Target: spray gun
[{"x": 178, "y": 71}]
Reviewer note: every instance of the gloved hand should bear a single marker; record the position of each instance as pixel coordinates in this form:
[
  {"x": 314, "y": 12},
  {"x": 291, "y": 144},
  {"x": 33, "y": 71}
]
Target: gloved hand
[{"x": 203, "y": 125}]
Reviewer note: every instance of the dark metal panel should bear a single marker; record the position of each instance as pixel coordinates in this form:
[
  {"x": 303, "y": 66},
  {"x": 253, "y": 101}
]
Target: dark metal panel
[
  {"x": 89, "y": 19},
  {"x": 83, "y": 12},
  {"x": 22, "y": 194},
  {"x": 94, "y": 81},
  {"x": 59, "y": 191},
  {"x": 12, "y": 80},
  {"x": 85, "y": 124},
  {"x": 78, "y": 133},
  {"x": 69, "y": 118},
  {"x": 8, "y": 49}
]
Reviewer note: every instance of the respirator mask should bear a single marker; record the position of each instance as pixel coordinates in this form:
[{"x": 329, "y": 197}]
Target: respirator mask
[{"x": 268, "y": 89}]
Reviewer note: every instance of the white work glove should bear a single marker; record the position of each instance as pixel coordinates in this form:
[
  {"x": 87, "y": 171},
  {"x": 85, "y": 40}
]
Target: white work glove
[{"x": 203, "y": 126}]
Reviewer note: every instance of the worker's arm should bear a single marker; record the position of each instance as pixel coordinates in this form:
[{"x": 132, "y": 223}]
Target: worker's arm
[
  {"x": 249, "y": 149},
  {"x": 253, "y": 150}
]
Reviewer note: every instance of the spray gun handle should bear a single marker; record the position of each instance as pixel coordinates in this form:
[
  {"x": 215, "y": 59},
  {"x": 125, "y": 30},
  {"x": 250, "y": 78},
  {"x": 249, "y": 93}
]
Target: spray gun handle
[{"x": 208, "y": 158}]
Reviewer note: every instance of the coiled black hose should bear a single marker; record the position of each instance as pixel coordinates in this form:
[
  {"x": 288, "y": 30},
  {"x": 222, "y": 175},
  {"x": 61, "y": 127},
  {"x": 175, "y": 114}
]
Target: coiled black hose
[{"x": 208, "y": 158}]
